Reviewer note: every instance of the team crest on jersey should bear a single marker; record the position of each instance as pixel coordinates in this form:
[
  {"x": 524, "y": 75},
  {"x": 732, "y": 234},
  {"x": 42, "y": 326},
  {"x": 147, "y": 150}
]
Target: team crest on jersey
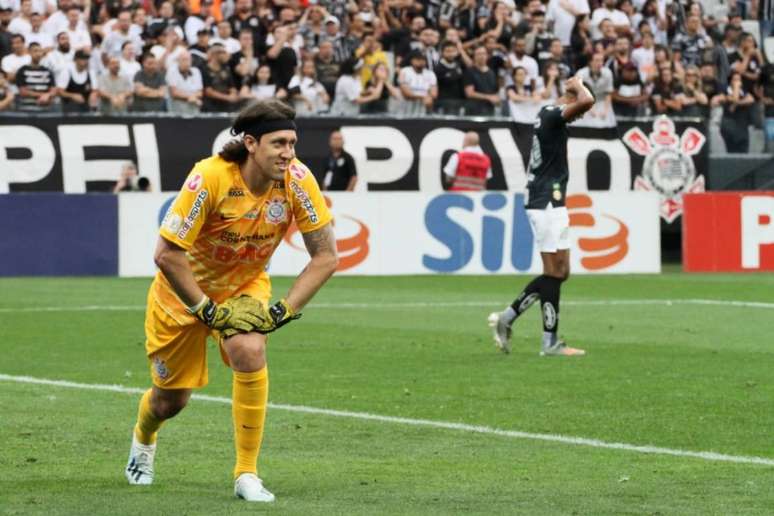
[
  {"x": 160, "y": 368},
  {"x": 298, "y": 171},
  {"x": 172, "y": 221},
  {"x": 276, "y": 213},
  {"x": 668, "y": 167},
  {"x": 194, "y": 183}
]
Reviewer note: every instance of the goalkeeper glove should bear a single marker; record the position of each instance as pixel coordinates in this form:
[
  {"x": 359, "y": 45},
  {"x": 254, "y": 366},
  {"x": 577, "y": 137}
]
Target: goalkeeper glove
[
  {"x": 281, "y": 313},
  {"x": 237, "y": 315}
]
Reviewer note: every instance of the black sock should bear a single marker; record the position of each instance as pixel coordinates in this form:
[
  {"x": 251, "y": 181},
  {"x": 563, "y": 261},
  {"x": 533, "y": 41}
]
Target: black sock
[
  {"x": 549, "y": 301},
  {"x": 529, "y": 295}
]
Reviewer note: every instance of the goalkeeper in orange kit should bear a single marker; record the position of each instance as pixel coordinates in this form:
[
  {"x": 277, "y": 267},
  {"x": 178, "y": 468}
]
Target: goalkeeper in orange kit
[{"x": 215, "y": 242}]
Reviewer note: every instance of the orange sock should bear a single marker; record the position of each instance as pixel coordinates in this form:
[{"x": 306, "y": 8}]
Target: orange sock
[
  {"x": 148, "y": 424},
  {"x": 249, "y": 399}
]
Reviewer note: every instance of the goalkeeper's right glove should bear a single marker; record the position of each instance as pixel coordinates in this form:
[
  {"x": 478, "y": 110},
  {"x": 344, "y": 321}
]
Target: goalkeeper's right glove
[{"x": 242, "y": 314}]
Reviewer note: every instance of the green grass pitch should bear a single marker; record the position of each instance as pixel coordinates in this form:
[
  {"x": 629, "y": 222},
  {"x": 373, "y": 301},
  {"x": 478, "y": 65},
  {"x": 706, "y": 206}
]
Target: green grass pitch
[{"x": 685, "y": 376}]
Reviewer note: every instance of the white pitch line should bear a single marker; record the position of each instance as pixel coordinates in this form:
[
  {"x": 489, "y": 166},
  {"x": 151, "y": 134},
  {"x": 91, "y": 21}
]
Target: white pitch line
[
  {"x": 430, "y": 304},
  {"x": 460, "y": 427}
]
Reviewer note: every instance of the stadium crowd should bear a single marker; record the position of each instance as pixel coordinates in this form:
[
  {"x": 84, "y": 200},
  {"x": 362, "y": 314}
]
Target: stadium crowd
[{"x": 410, "y": 57}]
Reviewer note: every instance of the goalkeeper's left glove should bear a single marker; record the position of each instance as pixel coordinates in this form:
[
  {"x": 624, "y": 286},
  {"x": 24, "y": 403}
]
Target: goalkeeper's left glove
[
  {"x": 281, "y": 313},
  {"x": 277, "y": 315}
]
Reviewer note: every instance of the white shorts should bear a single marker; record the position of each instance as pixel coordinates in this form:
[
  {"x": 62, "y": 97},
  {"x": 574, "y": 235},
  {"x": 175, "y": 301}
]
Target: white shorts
[{"x": 551, "y": 228}]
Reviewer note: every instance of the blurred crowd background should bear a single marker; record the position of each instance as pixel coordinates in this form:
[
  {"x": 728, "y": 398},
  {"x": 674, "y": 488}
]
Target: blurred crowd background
[{"x": 399, "y": 57}]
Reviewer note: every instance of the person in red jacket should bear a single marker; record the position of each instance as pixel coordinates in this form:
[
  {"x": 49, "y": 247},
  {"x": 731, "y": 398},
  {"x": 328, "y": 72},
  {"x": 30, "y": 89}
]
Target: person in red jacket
[{"x": 469, "y": 169}]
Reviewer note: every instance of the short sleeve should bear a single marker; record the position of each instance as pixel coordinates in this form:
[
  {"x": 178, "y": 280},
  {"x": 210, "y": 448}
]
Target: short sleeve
[
  {"x": 184, "y": 219},
  {"x": 552, "y": 116},
  {"x": 307, "y": 203}
]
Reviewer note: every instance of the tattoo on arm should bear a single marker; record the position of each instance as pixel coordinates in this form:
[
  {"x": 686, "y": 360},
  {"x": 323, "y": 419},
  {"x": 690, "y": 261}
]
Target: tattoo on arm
[{"x": 320, "y": 241}]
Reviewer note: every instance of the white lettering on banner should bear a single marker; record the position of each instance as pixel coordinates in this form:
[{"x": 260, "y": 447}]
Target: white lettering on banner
[
  {"x": 757, "y": 228},
  {"x": 76, "y": 169},
  {"x": 27, "y": 170},
  {"x": 147, "y": 154},
  {"x": 510, "y": 157},
  {"x": 359, "y": 138},
  {"x": 431, "y": 150},
  {"x": 578, "y": 150}
]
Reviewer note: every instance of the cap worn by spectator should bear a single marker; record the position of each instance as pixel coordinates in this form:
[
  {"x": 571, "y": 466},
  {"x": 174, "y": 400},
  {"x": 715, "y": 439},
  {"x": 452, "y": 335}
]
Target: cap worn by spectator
[
  {"x": 332, "y": 19},
  {"x": 82, "y": 54}
]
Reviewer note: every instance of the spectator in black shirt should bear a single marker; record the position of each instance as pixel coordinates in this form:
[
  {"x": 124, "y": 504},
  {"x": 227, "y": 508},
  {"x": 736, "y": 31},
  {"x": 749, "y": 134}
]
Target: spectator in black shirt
[
  {"x": 379, "y": 90},
  {"x": 244, "y": 62},
  {"x": 736, "y": 115},
  {"x": 340, "y": 172},
  {"x": 560, "y": 58},
  {"x": 5, "y": 36},
  {"x": 688, "y": 45},
  {"x": 451, "y": 87},
  {"x": 37, "y": 88},
  {"x": 200, "y": 48},
  {"x": 481, "y": 88},
  {"x": 766, "y": 94},
  {"x": 695, "y": 101},
  {"x": 710, "y": 85},
  {"x": 667, "y": 93},
  {"x": 747, "y": 60},
  {"x": 281, "y": 56},
  {"x": 75, "y": 86},
  {"x": 629, "y": 95},
  {"x": 244, "y": 17},
  {"x": 580, "y": 42},
  {"x": 220, "y": 92}
]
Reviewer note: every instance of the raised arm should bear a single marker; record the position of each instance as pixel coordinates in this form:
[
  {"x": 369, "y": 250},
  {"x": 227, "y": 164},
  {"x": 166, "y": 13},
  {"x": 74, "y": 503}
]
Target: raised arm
[{"x": 584, "y": 100}]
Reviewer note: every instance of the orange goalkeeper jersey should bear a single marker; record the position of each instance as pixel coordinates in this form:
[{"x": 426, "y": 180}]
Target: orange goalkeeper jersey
[{"x": 229, "y": 233}]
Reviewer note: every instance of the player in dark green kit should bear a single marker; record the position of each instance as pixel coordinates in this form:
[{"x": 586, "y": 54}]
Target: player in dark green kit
[{"x": 546, "y": 192}]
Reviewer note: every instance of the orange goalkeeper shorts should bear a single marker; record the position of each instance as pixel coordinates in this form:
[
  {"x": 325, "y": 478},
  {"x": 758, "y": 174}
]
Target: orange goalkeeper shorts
[{"x": 176, "y": 341}]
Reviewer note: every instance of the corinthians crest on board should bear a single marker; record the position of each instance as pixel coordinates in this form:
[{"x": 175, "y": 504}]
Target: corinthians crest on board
[{"x": 668, "y": 167}]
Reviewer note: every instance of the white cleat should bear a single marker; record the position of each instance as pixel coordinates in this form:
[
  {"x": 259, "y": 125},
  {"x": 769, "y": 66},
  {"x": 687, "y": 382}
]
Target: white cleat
[
  {"x": 501, "y": 332},
  {"x": 250, "y": 488},
  {"x": 139, "y": 468},
  {"x": 561, "y": 349}
]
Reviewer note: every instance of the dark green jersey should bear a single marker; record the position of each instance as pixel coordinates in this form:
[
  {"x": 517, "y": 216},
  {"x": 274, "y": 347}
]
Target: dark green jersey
[{"x": 547, "y": 172}]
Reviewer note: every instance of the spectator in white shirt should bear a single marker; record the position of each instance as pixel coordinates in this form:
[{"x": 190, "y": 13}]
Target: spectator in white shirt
[
  {"x": 418, "y": 85},
  {"x": 38, "y": 35},
  {"x": 197, "y": 22},
  {"x": 620, "y": 21},
  {"x": 306, "y": 92},
  {"x": 185, "y": 86},
  {"x": 57, "y": 21},
  {"x": 169, "y": 47},
  {"x": 16, "y": 59},
  {"x": 262, "y": 86},
  {"x": 518, "y": 57},
  {"x": 523, "y": 102},
  {"x": 645, "y": 57},
  {"x": 564, "y": 13},
  {"x": 80, "y": 39},
  {"x": 59, "y": 59},
  {"x": 599, "y": 78},
  {"x": 129, "y": 64},
  {"x": 22, "y": 24},
  {"x": 114, "y": 40},
  {"x": 349, "y": 92},
  {"x": 224, "y": 38}
]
